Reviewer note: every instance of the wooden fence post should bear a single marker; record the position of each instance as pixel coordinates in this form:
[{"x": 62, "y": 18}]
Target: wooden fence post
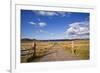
[
  {"x": 72, "y": 44},
  {"x": 34, "y": 48}
]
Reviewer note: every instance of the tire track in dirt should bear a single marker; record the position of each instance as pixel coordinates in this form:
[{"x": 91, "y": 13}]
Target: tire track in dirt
[{"x": 58, "y": 54}]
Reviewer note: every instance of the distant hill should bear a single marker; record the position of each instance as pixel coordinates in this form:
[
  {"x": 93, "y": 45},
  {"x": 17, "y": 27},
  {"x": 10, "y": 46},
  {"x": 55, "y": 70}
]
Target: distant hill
[
  {"x": 27, "y": 40},
  {"x": 31, "y": 40},
  {"x": 63, "y": 39}
]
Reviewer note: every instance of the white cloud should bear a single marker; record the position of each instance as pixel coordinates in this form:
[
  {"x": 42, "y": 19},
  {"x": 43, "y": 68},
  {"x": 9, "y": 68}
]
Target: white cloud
[
  {"x": 47, "y": 13},
  {"x": 39, "y": 24},
  {"x": 33, "y": 23},
  {"x": 53, "y": 13},
  {"x": 42, "y": 24},
  {"x": 83, "y": 31},
  {"x": 78, "y": 30},
  {"x": 68, "y": 14}
]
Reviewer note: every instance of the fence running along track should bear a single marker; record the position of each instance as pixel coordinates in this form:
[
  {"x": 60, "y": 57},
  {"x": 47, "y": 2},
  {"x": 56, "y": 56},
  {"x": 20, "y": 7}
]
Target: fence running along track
[{"x": 27, "y": 52}]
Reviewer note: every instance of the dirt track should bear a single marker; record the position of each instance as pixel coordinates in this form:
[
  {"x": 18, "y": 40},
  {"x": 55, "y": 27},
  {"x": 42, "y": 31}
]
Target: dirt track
[{"x": 57, "y": 53}]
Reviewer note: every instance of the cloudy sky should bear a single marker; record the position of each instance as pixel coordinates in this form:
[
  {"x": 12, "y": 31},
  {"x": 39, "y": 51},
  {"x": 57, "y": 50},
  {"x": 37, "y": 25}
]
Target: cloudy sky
[{"x": 54, "y": 25}]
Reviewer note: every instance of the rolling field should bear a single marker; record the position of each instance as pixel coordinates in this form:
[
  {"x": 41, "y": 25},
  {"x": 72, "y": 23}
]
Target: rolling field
[{"x": 55, "y": 51}]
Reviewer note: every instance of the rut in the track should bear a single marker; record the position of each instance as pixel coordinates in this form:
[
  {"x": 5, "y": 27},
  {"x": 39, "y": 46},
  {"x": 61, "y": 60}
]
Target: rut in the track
[{"x": 57, "y": 53}]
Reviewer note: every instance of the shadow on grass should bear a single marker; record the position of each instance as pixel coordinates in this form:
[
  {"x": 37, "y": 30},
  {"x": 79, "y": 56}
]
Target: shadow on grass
[{"x": 37, "y": 58}]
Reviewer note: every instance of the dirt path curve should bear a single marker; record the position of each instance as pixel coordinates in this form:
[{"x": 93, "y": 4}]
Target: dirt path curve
[{"x": 58, "y": 54}]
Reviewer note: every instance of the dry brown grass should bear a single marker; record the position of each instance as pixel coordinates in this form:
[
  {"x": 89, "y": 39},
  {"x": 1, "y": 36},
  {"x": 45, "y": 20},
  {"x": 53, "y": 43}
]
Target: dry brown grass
[
  {"x": 42, "y": 48},
  {"x": 81, "y": 47}
]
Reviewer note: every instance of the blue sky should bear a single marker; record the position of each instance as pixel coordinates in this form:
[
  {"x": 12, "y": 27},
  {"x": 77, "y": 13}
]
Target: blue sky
[{"x": 54, "y": 24}]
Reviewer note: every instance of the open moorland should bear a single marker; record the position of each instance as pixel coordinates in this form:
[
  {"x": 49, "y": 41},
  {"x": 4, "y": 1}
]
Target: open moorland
[{"x": 54, "y": 50}]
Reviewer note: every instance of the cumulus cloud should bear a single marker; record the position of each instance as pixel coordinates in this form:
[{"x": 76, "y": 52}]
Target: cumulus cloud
[
  {"x": 42, "y": 24},
  {"x": 39, "y": 24},
  {"x": 53, "y": 13},
  {"x": 68, "y": 14},
  {"x": 33, "y": 23},
  {"x": 78, "y": 30},
  {"x": 47, "y": 13}
]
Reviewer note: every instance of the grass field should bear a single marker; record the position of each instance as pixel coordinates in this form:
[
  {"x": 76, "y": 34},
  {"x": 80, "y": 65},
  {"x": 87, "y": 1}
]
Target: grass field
[{"x": 80, "y": 48}]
